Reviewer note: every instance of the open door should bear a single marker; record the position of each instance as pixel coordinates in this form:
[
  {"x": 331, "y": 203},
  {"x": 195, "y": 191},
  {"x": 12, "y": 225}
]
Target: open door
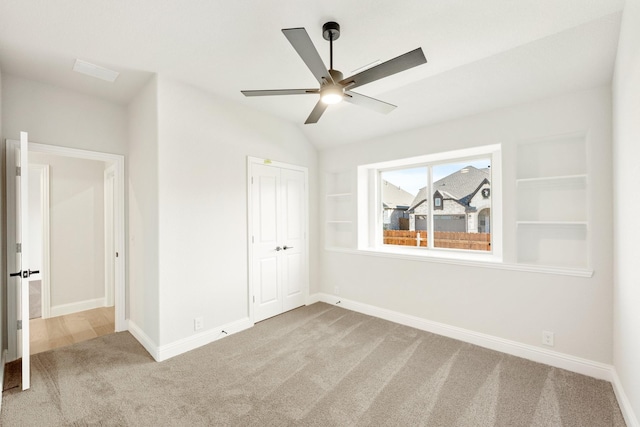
[{"x": 18, "y": 254}]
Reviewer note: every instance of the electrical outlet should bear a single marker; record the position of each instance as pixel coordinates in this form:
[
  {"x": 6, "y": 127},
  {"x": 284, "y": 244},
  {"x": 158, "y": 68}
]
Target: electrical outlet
[
  {"x": 336, "y": 290},
  {"x": 547, "y": 338},
  {"x": 198, "y": 323}
]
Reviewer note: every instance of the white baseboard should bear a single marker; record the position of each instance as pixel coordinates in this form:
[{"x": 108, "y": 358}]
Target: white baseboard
[
  {"x": 173, "y": 349},
  {"x": 623, "y": 401},
  {"x": 147, "y": 343},
  {"x": 559, "y": 360},
  {"x": 553, "y": 358},
  {"x": 167, "y": 351},
  {"x": 314, "y": 298},
  {"x": 74, "y": 307}
]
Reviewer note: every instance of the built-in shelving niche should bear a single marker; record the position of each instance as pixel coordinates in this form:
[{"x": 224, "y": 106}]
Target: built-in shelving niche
[
  {"x": 552, "y": 212},
  {"x": 339, "y": 211}
]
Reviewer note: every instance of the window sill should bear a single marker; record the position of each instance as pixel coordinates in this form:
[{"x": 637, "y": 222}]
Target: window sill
[{"x": 474, "y": 259}]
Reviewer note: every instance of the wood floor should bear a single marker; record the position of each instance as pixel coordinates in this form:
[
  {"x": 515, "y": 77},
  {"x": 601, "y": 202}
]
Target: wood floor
[{"x": 55, "y": 332}]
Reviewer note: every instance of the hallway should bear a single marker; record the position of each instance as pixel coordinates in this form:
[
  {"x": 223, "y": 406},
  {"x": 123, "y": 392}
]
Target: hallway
[{"x": 54, "y": 332}]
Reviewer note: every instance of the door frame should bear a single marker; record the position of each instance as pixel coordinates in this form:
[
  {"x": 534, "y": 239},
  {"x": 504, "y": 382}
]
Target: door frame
[
  {"x": 45, "y": 276},
  {"x": 109, "y": 241},
  {"x": 268, "y": 162},
  {"x": 117, "y": 161}
]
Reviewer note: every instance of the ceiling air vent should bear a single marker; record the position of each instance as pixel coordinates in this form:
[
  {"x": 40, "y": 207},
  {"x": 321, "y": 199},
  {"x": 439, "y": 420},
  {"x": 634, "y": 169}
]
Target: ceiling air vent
[{"x": 96, "y": 71}]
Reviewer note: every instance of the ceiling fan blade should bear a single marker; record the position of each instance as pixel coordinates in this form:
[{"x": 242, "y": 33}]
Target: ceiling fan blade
[
  {"x": 367, "y": 102},
  {"x": 316, "y": 113},
  {"x": 278, "y": 92},
  {"x": 302, "y": 43},
  {"x": 401, "y": 63}
]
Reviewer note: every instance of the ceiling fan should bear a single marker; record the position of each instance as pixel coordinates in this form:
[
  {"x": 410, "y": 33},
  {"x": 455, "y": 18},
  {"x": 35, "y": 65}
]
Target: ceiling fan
[{"x": 333, "y": 86}]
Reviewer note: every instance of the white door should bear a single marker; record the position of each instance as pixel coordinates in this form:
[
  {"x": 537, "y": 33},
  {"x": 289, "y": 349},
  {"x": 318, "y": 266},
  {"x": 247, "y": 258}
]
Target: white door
[
  {"x": 18, "y": 254},
  {"x": 278, "y": 239},
  {"x": 293, "y": 280}
]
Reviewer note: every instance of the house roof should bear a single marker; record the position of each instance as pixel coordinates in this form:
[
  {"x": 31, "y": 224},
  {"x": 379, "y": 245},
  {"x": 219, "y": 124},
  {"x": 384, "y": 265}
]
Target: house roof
[
  {"x": 394, "y": 196},
  {"x": 419, "y": 199},
  {"x": 462, "y": 183},
  {"x": 458, "y": 186}
]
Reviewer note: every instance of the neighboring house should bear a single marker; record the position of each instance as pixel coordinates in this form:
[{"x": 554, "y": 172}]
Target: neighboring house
[
  {"x": 395, "y": 202},
  {"x": 461, "y": 202}
]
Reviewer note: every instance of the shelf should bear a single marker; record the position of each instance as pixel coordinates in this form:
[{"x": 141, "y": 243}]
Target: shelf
[
  {"x": 339, "y": 222},
  {"x": 555, "y": 156},
  {"x": 552, "y": 199},
  {"x": 554, "y": 223},
  {"x": 562, "y": 180},
  {"x": 339, "y": 195},
  {"x": 554, "y": 244}
]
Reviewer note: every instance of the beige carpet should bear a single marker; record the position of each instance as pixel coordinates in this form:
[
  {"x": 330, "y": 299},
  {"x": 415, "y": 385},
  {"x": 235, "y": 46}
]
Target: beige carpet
[{"x": 318, "y": 365}]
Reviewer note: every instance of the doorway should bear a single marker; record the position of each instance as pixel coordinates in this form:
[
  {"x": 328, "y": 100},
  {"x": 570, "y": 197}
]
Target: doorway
[
  {"x": 86, "y": 308},
  {"x": 70, "y": 218}
]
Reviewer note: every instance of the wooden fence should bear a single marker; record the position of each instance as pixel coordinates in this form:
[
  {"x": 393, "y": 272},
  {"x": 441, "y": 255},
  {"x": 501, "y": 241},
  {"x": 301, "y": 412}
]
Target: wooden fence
[{"x": 442, "y": 239}]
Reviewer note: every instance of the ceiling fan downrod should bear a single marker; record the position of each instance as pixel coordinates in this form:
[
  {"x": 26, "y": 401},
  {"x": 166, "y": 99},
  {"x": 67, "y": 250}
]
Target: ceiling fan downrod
[{"x": 331, "y": 32}]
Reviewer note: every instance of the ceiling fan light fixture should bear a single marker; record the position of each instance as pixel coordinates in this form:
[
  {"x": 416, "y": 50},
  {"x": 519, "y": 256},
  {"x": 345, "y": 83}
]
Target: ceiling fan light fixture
[
  {"x": 333, "y": 86},
  {"x": 331, "y": 95}
]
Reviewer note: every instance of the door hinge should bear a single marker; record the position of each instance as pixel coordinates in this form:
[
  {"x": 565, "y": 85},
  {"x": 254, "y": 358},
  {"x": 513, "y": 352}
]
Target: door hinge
[
  {"x": 117, "y": 255},
  {"x": 18, "y": 171},
  {"x": 19, "y": 248},
  {"x": 19, "y": 325},
  {"x": 252, "y": 180},
  {"x": 254, "y": 299},
  {"x": 253, "y": 239}
]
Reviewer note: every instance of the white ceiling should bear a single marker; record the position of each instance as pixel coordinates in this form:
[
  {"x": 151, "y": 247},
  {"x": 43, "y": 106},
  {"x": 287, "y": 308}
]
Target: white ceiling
[{"x": 481, "y": 54}]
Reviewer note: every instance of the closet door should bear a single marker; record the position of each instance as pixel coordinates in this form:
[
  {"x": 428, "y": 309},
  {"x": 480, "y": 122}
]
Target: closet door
[
  {"x": 278, "y": 242},
  {"x": 293, "y": 280}
]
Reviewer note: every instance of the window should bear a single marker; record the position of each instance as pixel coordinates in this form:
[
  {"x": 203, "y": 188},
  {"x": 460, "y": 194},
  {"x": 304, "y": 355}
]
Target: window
[
  {"x": 436, "y": 205},
  {"x": 437, "y": 201}
]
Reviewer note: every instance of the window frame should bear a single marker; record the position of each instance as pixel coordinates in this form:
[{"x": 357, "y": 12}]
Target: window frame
[
  {"x": 369, "y": 204},
  {"x": 440, "y": 199}
]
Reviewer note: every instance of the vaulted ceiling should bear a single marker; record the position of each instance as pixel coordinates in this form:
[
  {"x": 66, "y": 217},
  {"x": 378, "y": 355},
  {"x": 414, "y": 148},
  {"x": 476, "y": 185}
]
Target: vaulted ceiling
[{"x": 481, "y": 54}]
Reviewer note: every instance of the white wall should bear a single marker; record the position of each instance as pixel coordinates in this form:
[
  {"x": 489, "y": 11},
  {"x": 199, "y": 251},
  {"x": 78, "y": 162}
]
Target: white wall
[
  {"x": 204, "y": 142},
  {"x": 61, "y": 117},
  {"x": 512, "y": 305},
  {"x": 626, "y": 156},
  {"x": 143, "y": 288},
  {"x": 76, "y": 198}
]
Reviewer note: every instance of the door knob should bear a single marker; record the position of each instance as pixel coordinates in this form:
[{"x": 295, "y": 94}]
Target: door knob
[
  {"x": 25, "y": 274},
  {"x": 278, "y": 248},
  {"x": 287, "y": 247}
]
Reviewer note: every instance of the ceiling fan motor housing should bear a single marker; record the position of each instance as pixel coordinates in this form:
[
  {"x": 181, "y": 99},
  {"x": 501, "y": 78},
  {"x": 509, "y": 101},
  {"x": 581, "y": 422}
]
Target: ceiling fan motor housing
[
  {"x": 331, "y": 31},
  {"x": 336, "y": 75}
]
